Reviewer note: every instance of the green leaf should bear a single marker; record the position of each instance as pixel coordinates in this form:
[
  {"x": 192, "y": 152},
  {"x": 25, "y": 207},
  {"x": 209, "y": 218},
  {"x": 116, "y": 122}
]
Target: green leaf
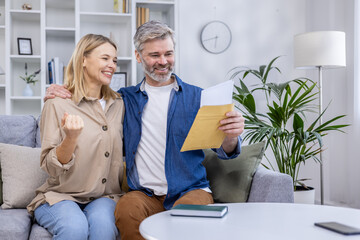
[{"x": 298, "y": 123}]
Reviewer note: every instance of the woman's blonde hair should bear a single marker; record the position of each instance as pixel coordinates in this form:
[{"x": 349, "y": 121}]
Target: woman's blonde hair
[{"x": 74, "y": 78}]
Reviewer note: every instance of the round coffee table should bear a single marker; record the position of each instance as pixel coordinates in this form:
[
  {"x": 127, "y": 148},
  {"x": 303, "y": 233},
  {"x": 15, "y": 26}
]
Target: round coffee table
[{"x": 253, "y": 221}]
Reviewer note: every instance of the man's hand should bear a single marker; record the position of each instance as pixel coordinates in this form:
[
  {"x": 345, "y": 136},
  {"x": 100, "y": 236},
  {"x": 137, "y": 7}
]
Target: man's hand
[
  {"x": 233, "y": 125},
  {"x": 56, "y": 91}
]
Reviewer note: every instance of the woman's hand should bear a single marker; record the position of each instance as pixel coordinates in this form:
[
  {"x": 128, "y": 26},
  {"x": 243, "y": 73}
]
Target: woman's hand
[{"x": 72, "y": 125}]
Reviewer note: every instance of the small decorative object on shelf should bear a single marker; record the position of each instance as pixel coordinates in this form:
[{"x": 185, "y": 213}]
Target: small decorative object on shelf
[
  {"x": 26, "y": 6},
  {"x": 29, "y": 79},
  {"x": 24, "y": 46}
]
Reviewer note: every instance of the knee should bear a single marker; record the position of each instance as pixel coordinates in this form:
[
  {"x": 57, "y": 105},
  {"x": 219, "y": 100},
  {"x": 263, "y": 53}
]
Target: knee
[
  {"x": 129, "y": 209},
  {"x": 78, "y": 229},
  {"x": 122, "y": 209}
]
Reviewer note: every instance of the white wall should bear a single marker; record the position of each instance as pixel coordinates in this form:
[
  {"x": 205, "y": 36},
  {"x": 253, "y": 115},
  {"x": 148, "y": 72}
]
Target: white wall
[{"x": 262, "y": 30}]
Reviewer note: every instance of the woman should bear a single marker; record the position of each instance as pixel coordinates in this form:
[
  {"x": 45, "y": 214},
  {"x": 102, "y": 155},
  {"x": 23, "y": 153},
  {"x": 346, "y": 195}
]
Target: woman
[{"x": 82, "y": 148}]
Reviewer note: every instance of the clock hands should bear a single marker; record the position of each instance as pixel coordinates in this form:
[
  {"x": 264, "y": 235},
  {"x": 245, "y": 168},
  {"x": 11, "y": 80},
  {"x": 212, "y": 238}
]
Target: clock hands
[
  {"x": 213, "y": 38},
  {"x": 216, "y": 37}
]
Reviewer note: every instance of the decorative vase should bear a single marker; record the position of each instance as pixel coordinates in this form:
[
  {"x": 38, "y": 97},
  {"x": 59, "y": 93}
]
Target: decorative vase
[
  {"x": 28, "y": 92},
  {"x": 306, "y": 196}
]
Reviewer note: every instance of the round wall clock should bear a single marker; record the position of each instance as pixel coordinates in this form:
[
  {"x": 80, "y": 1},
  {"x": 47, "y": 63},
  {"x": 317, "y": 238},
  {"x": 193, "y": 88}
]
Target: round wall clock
[{"x": 215, "y": 37}]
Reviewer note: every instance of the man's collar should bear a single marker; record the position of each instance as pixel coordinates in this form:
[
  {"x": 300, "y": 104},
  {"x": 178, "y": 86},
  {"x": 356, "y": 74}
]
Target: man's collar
[{"x": 177, "y": 87}]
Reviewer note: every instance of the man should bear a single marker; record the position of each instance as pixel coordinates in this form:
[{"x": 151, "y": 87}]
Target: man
[{"x": 159, "y": 113}]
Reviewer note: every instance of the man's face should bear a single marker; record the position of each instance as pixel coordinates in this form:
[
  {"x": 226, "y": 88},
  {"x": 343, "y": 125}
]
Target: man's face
[{"x": 157, "y": 59}]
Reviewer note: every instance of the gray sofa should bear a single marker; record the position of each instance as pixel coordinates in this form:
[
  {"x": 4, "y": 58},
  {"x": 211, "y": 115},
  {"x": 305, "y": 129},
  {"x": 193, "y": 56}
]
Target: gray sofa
[{"x": 266, "y": 186}]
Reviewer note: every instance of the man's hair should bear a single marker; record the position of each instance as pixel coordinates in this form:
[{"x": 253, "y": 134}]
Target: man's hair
[
  {"x": 74, "y": 78},
  {"x": 152, "y": 30}
]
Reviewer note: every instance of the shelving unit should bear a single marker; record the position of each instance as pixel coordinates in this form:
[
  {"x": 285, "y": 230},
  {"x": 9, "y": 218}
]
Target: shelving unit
[
  {"x": 2, "y": 56},
  {"x": 54, "y": 28}
]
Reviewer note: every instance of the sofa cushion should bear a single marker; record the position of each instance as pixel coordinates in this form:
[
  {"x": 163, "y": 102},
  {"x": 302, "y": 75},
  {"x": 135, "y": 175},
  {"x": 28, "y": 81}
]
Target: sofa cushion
[
  {"x": 14, "y": 224},
  {"x": 230, "y": 180},
  {"x": 18, "y": 130},
  {"x": 21, "y": 174},
  {"x": 38, "y": 232}
]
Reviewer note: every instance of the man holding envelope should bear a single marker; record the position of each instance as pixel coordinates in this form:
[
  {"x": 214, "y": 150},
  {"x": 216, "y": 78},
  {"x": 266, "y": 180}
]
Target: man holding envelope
[
  {"x": 155, "y": 129},
  {"x": 159, "y": 114}
]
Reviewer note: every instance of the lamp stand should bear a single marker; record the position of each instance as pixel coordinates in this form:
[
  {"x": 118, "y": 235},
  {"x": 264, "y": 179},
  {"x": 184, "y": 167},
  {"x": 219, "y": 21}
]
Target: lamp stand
[{"x": 320, "y": 122}]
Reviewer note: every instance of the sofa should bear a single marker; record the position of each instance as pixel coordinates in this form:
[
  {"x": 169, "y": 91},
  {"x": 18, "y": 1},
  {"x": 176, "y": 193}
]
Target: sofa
[{"x": 20, "y": 172}]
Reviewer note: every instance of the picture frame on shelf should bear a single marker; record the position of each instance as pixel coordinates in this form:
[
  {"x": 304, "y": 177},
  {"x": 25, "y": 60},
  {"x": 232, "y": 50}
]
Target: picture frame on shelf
[
  {"x": 24, "y": 46},
  {"x": 118, "y": 81}
]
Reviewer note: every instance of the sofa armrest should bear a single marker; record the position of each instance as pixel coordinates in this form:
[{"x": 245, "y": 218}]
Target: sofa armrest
[{"x": 271, "y": 186}]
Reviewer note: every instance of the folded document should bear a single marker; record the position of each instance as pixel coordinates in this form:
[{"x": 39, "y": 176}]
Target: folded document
[
  {"x": 216, "y": 101},
  {"x": 204, "y": 132}
]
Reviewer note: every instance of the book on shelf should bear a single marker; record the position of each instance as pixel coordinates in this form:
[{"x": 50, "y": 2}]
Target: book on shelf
[
  {"x": 142, "y": 15},
  {"x": 50, "y": 73},
  {"x": 138, "y": 17},
  {"x": 56, "y": 71},
  {"x": 118, "y": 6},
  {"x": 199, "y": 210},
  {"x": 147, "y": 15},
  {"x": 126, "y": 5}
]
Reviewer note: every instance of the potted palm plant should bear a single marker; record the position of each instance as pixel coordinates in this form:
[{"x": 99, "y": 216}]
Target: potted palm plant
[{"x": 283, "y": 125}]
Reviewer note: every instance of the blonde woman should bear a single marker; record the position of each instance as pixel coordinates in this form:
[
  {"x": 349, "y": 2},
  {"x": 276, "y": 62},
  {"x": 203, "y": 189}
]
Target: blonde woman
[{"x": 82, "y": 153}]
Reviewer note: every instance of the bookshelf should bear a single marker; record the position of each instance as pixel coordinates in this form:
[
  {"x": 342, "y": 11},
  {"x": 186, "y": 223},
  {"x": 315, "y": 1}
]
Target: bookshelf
[
  {"x": 2, "y": 56},
  {"x": 54, "y": 28}
]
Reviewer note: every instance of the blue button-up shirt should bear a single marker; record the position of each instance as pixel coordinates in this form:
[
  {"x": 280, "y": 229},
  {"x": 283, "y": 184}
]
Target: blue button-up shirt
[{"x": 183, "y": 170}]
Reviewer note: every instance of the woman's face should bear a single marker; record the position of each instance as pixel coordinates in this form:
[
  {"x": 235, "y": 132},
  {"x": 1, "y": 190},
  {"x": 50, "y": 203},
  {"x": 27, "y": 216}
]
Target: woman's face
[{"x": 100, "y": 65}]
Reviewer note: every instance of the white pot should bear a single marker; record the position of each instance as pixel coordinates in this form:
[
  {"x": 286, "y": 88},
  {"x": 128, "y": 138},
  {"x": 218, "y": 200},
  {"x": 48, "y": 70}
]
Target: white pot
[
  {"x": 305, "y": 196},
  {"x": 28, "y": 92}
]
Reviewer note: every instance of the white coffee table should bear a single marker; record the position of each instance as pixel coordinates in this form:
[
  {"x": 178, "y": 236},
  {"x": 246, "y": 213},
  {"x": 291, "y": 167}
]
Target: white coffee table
[{"x": 253, "y": 221}]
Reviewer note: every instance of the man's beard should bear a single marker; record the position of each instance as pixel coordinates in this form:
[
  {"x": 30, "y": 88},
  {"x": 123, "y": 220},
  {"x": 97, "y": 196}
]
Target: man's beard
[{"x": 150, "y": 71}]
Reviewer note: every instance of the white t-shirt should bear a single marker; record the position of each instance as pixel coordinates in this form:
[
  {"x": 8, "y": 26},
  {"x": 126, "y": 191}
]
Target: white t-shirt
[
  {"x": 150, "y": 156},
  {"x": 102, "y": 103}
]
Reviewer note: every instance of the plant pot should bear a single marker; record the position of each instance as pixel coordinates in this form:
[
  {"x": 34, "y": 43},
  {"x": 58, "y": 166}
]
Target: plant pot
[
  {"x": 28, "y": 92},
  {"x": 303, "y": 195}
]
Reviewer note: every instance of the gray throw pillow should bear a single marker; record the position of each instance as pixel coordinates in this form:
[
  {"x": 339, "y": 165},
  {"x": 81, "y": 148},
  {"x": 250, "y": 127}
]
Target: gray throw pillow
[
  {"x": 21, "y": 174},
  {"x": 230, "y": 180},
  {"x": 18, "y": 130}
]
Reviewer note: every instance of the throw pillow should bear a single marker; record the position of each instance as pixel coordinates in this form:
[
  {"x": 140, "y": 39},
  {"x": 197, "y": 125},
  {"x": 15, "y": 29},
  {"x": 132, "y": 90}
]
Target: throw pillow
[
  {"x": 21, "y": 174},
  {"x": 19, "y": 130},
  {"x": 230, "y": 180}
]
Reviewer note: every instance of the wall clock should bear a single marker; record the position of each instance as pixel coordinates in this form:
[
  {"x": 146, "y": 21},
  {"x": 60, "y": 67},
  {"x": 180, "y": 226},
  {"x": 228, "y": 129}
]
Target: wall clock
[{"x": 215, "y": 37}]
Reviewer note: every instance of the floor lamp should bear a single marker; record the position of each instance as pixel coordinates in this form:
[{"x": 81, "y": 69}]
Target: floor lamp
[{"x": 322, "y": 49}]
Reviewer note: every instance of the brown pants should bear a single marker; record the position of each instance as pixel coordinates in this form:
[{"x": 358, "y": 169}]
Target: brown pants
[{"x": 135, "y": 206}]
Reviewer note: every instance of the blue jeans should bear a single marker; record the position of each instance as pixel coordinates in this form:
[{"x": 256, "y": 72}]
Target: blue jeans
[{"x": 70, "y": 220}]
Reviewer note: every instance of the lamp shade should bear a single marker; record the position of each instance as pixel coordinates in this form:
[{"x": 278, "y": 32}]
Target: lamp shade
[
  {"x": 320, "y": 49},
  {"x": 1, "y": 71}
]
